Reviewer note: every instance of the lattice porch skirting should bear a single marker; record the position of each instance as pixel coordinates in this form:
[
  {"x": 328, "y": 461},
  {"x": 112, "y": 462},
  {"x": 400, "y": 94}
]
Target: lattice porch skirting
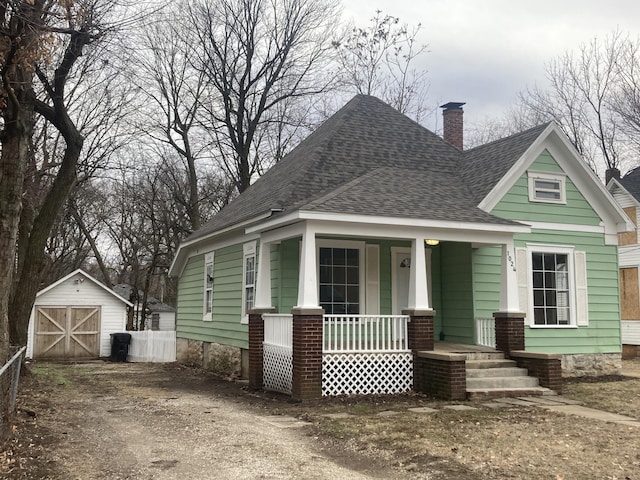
[
  {"x": 278, "y": 368},
  {"x": 366, "y": 373}
]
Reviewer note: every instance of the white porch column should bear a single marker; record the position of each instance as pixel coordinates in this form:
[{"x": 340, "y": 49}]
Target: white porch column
[
  {"x": 308, "y": 280},
  {"x": 418, "y": 289},
  {"x": 509, "y": 301},
  {"x": 263, "y": 280}
]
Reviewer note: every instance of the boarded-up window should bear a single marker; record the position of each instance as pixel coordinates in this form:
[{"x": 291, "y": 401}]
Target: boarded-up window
[
  {"x": 629, "y": 297},
  {"x": 629, "y": 238}
]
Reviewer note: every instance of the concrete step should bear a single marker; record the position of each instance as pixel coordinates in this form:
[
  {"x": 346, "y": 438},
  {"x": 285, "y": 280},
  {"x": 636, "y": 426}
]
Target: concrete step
[
  {"x": 495, "y": 363},
  {"x": 479, "y": 393},
  {"x": 501, "y": 382},
  {"x": 484, "y": 355},
  {"x": 497, "y": 372}
]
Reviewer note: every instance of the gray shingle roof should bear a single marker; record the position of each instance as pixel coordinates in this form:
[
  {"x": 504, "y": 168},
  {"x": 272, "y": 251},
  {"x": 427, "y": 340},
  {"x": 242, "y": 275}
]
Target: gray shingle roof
[
  {"x": 369, "y": 159},
  {"x": 484, "y": 166},
  {"x": 631, "y": 181}
]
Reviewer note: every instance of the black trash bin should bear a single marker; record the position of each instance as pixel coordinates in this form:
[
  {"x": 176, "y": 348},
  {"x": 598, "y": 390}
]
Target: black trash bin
[{"x": 120, "y": 346}]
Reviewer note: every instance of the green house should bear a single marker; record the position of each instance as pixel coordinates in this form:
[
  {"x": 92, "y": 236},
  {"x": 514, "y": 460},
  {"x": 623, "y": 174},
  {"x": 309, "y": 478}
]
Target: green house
[{"x": 374, "y": 216}]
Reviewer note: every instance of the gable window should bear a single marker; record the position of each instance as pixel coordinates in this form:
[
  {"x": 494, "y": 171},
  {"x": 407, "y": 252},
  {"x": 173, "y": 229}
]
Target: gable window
[
  {"x": 552, "y": 282},
  {"x": 208, "y": 286},
  {"x": 339, "y": 279},
  {"x": 248, "y": 278},
  {"x": 547, "y": 187}
]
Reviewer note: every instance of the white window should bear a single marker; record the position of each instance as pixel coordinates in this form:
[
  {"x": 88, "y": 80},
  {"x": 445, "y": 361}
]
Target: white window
[
  {"x": 547, "y": 187},
  {"x": 552, "y": 281},
  {"x": 551, "y": 292},
  {"x": 208, "y": 287},
  {"x": 341, "y": 277},
  {"x": 248, "y": 278}
]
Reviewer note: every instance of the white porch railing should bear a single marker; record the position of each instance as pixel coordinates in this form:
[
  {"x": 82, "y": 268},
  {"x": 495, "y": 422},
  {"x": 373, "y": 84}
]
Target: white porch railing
[
  {"x": 366, "y": 354},
  {"x": 486, "y": 332},
  {"x": 278, "y": 352},
  {"x": 362, "y": 354},
  {"x": 365, "y": 333}
]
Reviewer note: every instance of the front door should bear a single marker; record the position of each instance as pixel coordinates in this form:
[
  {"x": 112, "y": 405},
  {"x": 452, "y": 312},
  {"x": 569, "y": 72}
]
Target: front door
[
  {"x": 400, "y": 278},
  {"x": 67, "y": 332}
]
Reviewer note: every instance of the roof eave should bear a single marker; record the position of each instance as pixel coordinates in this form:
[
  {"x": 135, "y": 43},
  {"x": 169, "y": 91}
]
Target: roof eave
[{"x": 179, "y": 259}]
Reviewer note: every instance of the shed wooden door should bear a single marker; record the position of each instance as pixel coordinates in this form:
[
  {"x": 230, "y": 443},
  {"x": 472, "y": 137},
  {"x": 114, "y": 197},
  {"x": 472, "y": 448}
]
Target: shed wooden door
[{"x": 67, "y": 332}]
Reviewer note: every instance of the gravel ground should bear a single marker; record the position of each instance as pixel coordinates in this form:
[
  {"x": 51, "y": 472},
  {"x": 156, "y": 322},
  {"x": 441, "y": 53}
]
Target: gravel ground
[
  {"x": 144, "y": 421},
  {"x": 101, "y": 420}
]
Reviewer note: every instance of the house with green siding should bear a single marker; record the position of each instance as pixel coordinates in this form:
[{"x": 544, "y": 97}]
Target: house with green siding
[{"x": 510, "y": 246}]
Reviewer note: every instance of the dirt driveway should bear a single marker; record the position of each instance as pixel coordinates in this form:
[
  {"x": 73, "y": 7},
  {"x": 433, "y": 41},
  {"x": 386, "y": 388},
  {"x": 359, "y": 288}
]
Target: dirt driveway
[
  {"x": 102, "y": 420},
  {"x": 148, "y": 421}
]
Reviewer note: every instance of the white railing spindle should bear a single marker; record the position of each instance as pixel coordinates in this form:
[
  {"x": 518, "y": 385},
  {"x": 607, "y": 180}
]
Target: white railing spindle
[{"x": 365, "y": 333}]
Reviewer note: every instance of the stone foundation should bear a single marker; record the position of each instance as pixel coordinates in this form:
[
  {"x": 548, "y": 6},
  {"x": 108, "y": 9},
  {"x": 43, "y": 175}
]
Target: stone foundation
[
  {"x": 591, "y": 364},
  {"x": 189, "y": 352},
  {"x": 221, "y": 359}
]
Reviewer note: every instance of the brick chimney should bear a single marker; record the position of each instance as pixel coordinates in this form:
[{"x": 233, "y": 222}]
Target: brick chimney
[
  {"x": 452, "y": 123},
  {"x": 611, "y": 173}
]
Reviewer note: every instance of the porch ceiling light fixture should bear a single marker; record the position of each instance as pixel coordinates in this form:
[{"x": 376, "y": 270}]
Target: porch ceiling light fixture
[{"x": 431, "y": 242}]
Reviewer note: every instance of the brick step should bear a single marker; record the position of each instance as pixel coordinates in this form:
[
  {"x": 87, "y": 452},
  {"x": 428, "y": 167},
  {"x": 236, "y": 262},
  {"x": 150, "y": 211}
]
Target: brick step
[
  {"x": 497, "y": 372},
  {"x": 502, "y": 382},
  {"x": 496, "y": 363},
  {"x": 479, "y": 393}
]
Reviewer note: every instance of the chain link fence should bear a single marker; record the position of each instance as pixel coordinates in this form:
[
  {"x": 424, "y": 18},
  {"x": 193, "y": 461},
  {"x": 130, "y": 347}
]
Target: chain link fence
[{"x": 9, "y": 377}]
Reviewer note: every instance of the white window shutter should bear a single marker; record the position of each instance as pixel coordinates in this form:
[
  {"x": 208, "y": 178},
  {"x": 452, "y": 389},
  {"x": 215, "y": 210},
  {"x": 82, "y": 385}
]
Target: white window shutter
[
  {"x": 582, "y": 303},
  {"x": 373, "y": 280},
  {"x": 522, "y": 272}
]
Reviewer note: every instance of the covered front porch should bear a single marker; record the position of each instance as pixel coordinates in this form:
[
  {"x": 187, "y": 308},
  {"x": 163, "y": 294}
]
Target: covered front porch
[{"x": 360, "y": 322}]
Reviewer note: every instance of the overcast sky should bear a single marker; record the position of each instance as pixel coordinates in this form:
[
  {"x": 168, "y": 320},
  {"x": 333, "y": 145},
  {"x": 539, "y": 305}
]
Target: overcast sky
[{"x": 484, "y": 51}]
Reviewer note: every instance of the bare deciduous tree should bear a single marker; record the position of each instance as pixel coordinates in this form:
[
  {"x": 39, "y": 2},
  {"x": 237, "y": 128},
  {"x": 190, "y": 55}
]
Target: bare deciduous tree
[
  {"x": 70, "y": 29},
  {"x": 585, "y": 96},
  {"x": 257, "y": 55},
  {"x": 380, "y": 60}
]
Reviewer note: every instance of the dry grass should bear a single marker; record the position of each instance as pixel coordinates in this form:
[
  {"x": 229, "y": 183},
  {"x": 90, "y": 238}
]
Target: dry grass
[{"x": 489, "y": 443}]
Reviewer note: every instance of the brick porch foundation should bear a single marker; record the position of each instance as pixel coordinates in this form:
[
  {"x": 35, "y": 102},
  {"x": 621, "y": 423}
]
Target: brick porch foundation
[
  {"x": 443, "y": 375},
  {"x": 307, "y": 353},
  {"x": 546, "y": 366},
  {"x": 509, "y": 332},
  {"x": 256, "y": 353}
]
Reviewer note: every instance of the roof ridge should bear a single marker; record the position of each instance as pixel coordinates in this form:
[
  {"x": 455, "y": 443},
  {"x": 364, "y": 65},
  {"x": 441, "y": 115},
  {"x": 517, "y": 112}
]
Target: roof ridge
[{"x": 541, "y": 126}]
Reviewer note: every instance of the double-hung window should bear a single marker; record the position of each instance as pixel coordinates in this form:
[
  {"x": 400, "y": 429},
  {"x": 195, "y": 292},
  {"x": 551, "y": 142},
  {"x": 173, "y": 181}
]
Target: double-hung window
[
  {"x": 208, "y": 287},
  {"x": 248, "y": 278},
  {"x": 340, "y": 270},
  {"x": 552, "y": 281},
  {"x": 551, "y": 289}
]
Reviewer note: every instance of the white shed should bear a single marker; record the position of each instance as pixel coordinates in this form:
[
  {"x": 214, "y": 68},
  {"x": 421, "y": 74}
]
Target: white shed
[{"x": 74, "y": 317}]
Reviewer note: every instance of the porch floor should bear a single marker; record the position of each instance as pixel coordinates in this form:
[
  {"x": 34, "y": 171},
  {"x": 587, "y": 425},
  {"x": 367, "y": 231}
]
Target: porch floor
[{"x": 448, "y": 347}]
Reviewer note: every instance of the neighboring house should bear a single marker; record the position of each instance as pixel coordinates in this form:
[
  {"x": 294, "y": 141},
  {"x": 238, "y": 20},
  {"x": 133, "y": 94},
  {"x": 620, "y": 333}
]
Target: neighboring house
[
  {"x": 373, "y": 218},
  {"x": 74, "y": 317},
  {"x": 159, "y": 315},
  {"x": 626, "y": 191}
]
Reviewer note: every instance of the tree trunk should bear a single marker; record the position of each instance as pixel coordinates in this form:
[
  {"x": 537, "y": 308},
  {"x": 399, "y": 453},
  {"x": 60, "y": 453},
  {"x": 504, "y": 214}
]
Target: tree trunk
[
  {"x": 14, "y": 153},
  {"x": 28, "y": 283}
]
